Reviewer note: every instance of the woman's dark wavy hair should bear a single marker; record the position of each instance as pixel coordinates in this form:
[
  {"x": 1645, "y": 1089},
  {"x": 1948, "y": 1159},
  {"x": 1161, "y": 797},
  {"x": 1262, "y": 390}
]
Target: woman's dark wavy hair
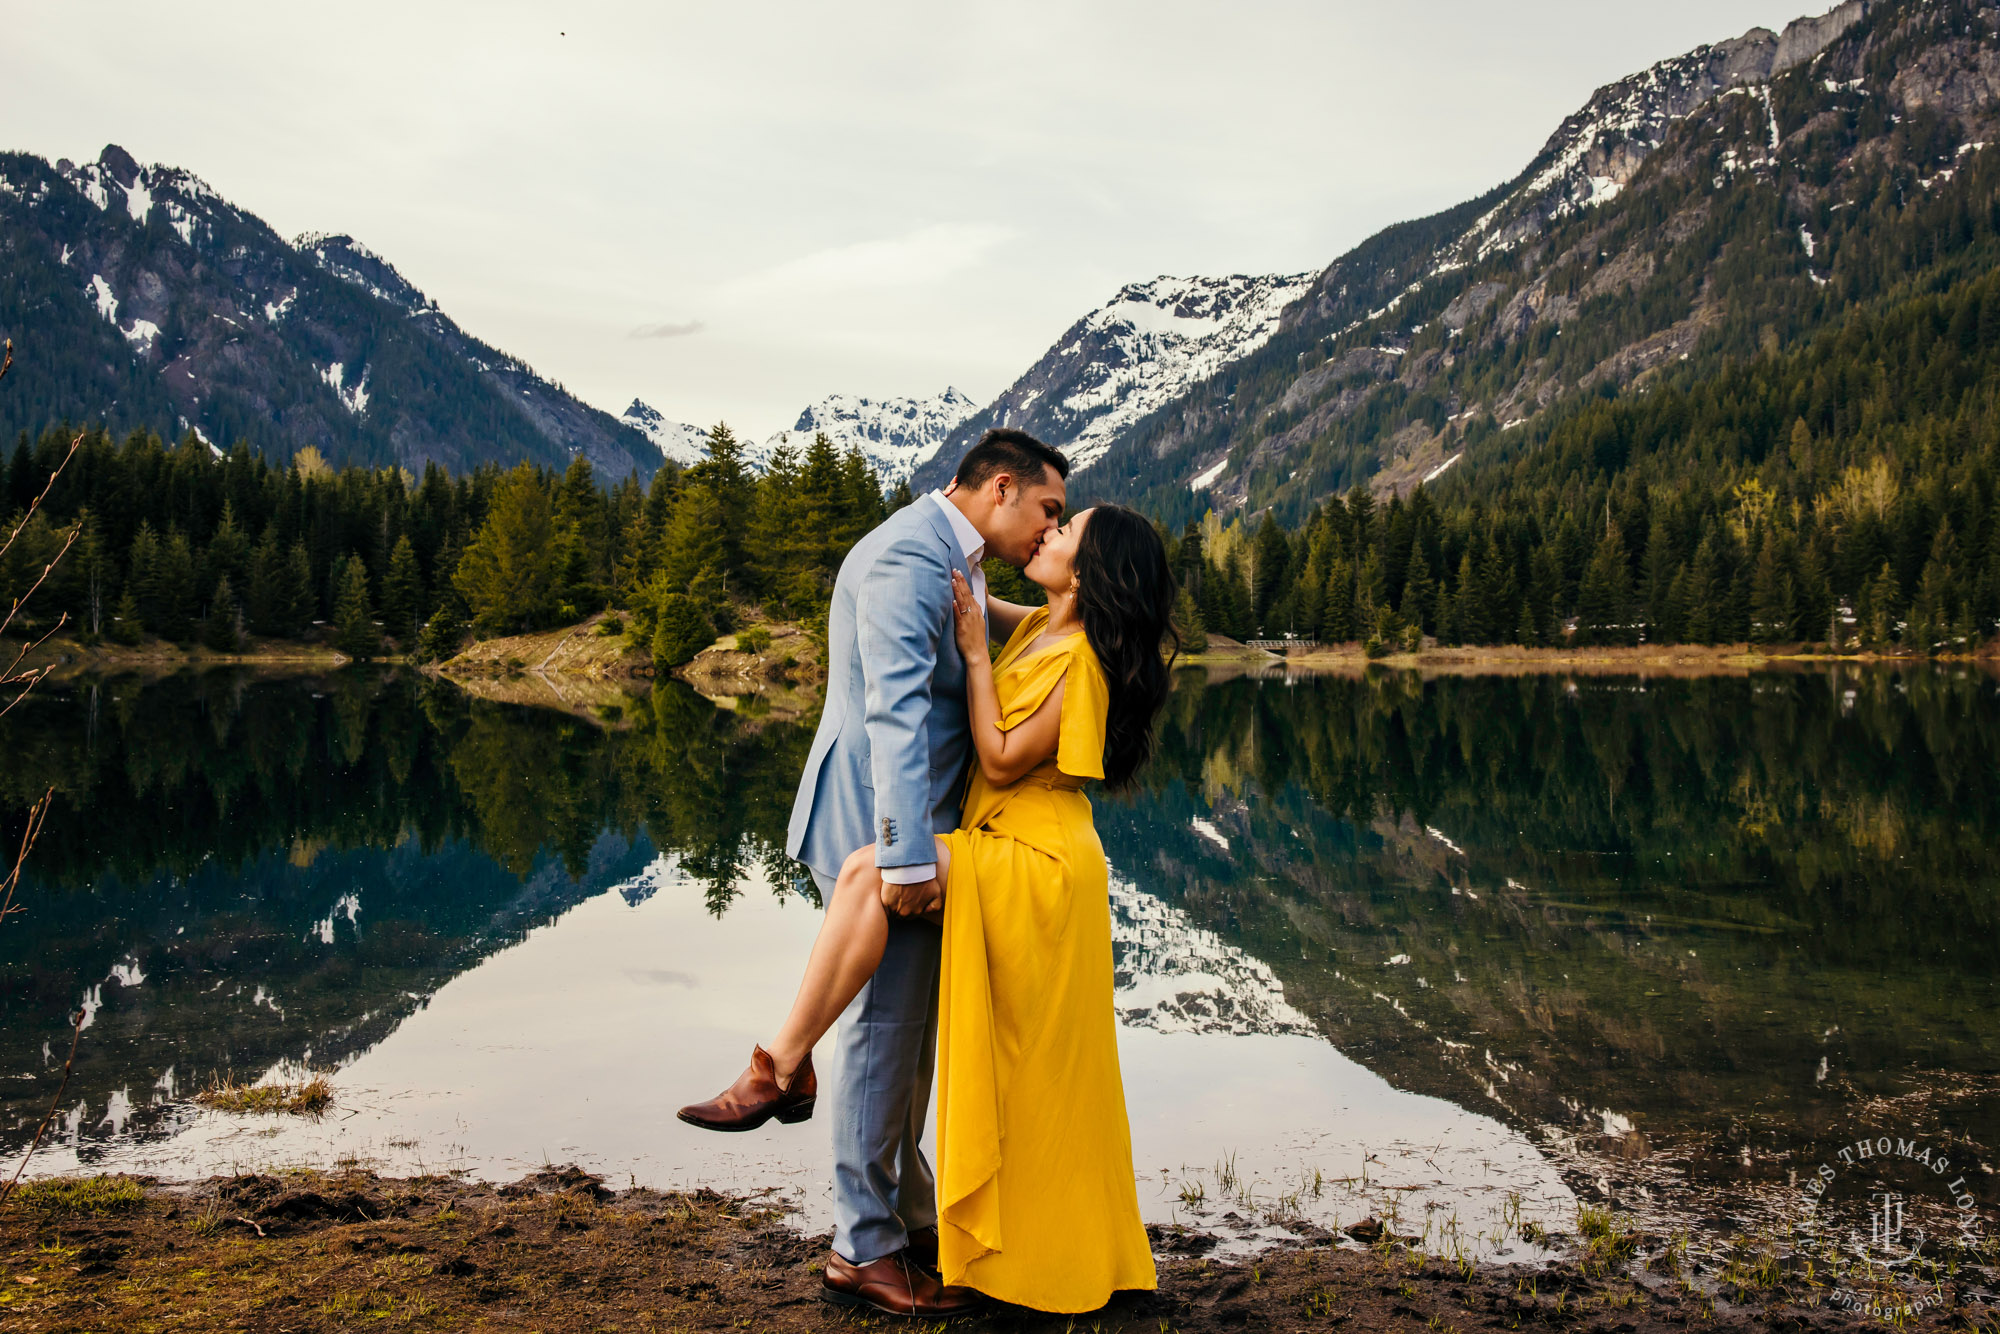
[{"x": 1125, "y": 599}]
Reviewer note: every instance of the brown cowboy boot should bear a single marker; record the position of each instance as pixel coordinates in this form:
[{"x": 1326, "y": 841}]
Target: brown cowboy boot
[
  {"x": 755, "y": 1098},
  {"x": 893, "y": 1284}
]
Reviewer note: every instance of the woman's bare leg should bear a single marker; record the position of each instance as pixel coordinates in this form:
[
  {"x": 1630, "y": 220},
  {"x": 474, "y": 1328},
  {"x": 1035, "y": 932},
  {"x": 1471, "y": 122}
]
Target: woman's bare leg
[{"x": 845, "y": 955}]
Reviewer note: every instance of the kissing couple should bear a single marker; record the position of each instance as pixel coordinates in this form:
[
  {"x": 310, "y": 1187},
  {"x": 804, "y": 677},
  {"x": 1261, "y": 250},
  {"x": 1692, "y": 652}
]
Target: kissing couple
[{"x": 968, "y": 922}]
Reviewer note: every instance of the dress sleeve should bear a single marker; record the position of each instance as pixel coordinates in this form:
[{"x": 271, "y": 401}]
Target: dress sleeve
[
  {"x": 1086, "y": 702},
  {"x": 1086, "y": 699}
]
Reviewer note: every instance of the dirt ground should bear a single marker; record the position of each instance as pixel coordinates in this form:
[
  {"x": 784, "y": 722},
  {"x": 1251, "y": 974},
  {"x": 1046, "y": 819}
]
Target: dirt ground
[{"x": 558, "y": 1252}]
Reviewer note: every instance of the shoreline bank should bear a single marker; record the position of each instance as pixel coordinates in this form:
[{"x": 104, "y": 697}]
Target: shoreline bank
[{"x": 559, "y": 1252}]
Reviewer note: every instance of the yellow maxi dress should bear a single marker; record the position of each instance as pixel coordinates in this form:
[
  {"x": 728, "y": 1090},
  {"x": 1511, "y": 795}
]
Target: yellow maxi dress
[{"x": 1037, "y": 1201}]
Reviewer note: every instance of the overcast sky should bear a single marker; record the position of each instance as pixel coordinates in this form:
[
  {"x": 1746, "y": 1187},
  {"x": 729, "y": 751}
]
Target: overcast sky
[{"x": 730, "y": 210}]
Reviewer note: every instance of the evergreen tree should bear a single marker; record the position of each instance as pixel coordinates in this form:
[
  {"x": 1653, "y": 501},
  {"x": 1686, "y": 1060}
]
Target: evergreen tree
[
  {"x": 1673, "y": 625},
  {"x": 507, "y": 576},
  {"x": 127, "y": 625},
  {"x": 299, "y": 606},
  {"x": 445, "y": 631},
  {"x": 403, "y": 593},
  {"x": 1337, "y": 625},
  {"x": 354, "y": 631},
  {"x": 268, "y": 604},
  {"x": 1773, "y": 599},
  {"x": 1187, "y": 616},
  {"x": 1468, "y": 610},
  {"x": 94, "y": 572},
  {"x": 1419, "y": 592},
  {"x": 1269, "y": 556},
  {"x": 223, "y": 628},
  {"x": 1882, "y": 603},
  {"x": 1604, "y": 599},
  {"x": 1934, "y": 610},
  {"x": 1526, "y": 632},
  {"x": 228, "y": 554},
  {"x": 174, "y": 588}
]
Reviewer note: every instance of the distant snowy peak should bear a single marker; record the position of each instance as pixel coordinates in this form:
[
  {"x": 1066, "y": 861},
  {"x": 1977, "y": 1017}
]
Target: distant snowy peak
[
  {"x": 684, "y": 444},
  {"x": 115, "y": 181},
  {"x": 896, "y": 435},
  {"x": 1144, "y": 348}
]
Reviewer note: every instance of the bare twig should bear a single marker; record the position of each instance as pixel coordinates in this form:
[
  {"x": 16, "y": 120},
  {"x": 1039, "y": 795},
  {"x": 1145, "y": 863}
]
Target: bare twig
[
  {"x": 37, "y": 813},
  {"x": 48, "y": 486},
  {"x": 75, "y": 1033}
]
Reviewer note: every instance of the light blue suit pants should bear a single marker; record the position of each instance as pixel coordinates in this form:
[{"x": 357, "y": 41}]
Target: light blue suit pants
[{"x": 887, "y": 1048}]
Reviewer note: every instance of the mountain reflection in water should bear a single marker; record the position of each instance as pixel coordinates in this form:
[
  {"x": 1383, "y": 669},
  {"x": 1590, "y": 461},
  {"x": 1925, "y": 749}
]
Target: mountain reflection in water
[{"x": 1662, "y": 940}]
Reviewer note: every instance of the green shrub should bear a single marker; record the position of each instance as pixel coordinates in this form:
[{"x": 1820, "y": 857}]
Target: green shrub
[
  {"x": 611, "y": 625},
  {"x": 754, "y": 640},
  {"x": 681, "y": 631}
]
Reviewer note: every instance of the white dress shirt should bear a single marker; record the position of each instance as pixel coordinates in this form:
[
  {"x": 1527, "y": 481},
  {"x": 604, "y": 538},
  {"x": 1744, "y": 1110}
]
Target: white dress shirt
[{"x": 973, "y": 547}]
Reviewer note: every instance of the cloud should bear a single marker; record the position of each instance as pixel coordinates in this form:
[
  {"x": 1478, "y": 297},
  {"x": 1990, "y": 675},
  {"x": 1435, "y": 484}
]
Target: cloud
[
  {"x": 922, "y": 256},
  {"x": 668, "y": 330}
]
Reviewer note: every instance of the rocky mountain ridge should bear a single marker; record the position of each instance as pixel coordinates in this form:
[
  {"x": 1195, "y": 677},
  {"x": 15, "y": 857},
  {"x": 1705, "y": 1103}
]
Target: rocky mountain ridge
[
  {"x": 139, "y": 297},
  {"x": 1698, "y": 210},
  {"x": 1341, "y": 386},
  {"x": 1146, "y": 346}
]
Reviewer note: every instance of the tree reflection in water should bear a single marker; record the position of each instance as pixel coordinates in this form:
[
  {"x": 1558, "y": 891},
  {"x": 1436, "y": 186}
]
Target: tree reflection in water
[{"x": 1683, "y": 930}]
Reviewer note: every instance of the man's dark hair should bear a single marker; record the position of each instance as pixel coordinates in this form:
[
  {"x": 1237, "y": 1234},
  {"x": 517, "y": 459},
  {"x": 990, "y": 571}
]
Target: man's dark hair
[{"x": 1005, "y": 450}]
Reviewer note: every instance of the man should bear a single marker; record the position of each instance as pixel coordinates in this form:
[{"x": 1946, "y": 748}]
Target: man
[{"x": 886, "y": 767}]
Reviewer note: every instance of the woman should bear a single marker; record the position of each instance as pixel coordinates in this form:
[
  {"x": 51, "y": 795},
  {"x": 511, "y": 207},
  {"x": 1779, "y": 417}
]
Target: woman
[{"x": 1036, "y": 1197}]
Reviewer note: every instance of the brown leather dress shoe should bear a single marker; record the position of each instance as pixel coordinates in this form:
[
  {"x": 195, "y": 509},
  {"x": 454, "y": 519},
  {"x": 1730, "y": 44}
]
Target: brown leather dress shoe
[
  {"x": 755, "y": 1098},
  {"x": 893, "y": 1284},
  {"x": 923, "y": 1249}
]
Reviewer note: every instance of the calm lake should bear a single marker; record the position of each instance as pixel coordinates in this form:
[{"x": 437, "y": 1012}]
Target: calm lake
[{"x": 1458, "y": 951}]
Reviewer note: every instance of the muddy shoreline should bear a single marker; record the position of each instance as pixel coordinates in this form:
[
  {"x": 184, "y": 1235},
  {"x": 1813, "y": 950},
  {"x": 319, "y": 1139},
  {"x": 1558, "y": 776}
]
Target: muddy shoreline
[{"x": 559, "y": 1251}]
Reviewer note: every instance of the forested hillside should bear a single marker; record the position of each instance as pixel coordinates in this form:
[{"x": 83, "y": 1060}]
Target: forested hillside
[
  {"x": 1754, "y": 503},
  {"x": 182, "y": 544},
  {"x": 1754, "y": 386}
]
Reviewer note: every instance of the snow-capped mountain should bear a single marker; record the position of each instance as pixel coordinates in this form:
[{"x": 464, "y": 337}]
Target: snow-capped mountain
[
  {"x": 1302, "y": 414},
  {"x": 684, "y": 444},
  {"x": 151, "y": 302},
  {"x": 1146, "y": 346},
  {"x": 896, "y": 435}
]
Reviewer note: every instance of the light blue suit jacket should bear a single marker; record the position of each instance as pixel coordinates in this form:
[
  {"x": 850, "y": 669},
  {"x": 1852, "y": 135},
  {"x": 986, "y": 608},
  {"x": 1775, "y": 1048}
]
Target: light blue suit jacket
[{"x": 886, "y": 765}]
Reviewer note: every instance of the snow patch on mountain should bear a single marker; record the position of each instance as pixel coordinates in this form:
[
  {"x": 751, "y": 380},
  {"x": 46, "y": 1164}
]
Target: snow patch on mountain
[
  {"x": 353, "y": 397},
  {"x": 895, "y": 435},
  {"x": 107, "y": 304},
  {"x": 684, "y": 444}
]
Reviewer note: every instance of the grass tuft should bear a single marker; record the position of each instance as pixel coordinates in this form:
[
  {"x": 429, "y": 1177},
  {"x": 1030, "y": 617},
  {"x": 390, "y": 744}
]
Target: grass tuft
[
  {"x": 312, "y": 1098},
  {"x": 61, "y": 1197}
]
